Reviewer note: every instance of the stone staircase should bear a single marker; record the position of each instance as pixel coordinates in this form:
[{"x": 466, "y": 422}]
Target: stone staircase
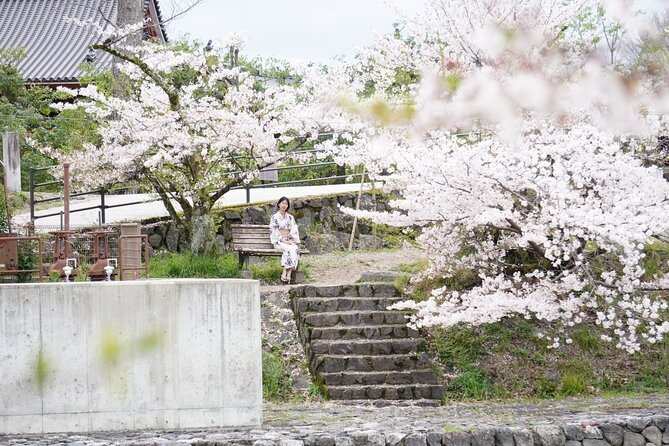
[{"x": 361, "y": 351}]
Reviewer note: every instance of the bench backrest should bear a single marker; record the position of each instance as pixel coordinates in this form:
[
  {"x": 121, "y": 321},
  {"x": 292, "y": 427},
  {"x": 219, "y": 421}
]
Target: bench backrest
[{"x": 250, "y": 237}]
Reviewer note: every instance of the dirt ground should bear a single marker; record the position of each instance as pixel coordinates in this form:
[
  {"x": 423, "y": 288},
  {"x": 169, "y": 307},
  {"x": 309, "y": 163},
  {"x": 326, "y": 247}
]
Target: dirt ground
[{"x": 340, "y": 268}]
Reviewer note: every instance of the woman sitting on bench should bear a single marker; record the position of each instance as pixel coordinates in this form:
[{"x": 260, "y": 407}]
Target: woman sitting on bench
[{"x": 284, "y": 235}]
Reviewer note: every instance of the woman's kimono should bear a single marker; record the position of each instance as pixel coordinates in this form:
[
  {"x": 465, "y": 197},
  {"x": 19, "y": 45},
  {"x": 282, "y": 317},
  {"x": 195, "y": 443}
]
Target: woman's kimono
[{"x": 283, "y": 228}]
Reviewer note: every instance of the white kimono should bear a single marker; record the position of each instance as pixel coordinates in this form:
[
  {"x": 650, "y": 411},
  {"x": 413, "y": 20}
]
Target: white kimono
[{"x": 286, "y": 224}]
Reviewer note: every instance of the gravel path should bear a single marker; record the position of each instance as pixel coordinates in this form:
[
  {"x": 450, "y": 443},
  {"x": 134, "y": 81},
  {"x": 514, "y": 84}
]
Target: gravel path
[{"x": 342, "y": 268}]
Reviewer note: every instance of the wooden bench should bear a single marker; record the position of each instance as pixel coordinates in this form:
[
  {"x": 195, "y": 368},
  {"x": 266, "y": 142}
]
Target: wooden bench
[{"x": 253, "y": 240}]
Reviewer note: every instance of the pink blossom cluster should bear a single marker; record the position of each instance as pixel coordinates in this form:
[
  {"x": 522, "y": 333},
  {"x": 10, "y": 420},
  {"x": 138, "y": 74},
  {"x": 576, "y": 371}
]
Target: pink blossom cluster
[{"x": 516, "y": 149}]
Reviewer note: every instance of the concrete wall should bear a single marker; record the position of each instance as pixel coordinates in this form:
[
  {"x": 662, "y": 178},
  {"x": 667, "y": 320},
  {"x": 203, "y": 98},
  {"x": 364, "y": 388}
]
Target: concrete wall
[{"x": 166, "y": 354}]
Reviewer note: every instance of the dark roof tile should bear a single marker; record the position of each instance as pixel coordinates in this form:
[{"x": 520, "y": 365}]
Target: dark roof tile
[{"x": 55, "y": 47}]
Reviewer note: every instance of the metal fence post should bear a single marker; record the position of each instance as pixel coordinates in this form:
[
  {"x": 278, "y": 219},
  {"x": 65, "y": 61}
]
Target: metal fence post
[
  {"x": 31, "y": 181},
  {"x": 248, "y": 193},
  {"x": 102, "y": 205}
]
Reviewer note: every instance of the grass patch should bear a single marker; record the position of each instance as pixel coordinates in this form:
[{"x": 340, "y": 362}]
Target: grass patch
[
  {"x": 472, "y": 384},
  {"x": 269, "y": 271},
  {"x": 187, "y": 265},
  {"x": 276, "y": 382},
  {"x": 414, "y": 267},
  {"x": 507, "y": 359}
]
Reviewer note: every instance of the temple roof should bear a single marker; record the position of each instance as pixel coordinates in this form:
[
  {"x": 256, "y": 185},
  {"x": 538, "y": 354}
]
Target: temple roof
[{"x": 55, "y": 47}]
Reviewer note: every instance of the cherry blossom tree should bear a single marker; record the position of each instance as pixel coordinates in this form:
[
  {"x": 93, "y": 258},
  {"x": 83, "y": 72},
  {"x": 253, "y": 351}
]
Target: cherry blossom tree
[
  {"x": 191, "y": 125},
  {"x": 517, "y": 150}
]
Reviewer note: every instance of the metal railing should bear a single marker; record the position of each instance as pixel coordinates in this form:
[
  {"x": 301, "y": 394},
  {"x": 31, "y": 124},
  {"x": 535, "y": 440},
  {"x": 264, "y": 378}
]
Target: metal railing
[{"x": 103, "y": 193}]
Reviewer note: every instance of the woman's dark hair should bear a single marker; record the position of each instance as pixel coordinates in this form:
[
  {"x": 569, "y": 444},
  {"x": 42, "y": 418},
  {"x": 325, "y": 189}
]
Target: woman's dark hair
[{"x": 283, "y": 199}]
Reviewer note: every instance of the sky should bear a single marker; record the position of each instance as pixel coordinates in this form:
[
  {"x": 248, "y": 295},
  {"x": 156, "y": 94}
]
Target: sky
[
  {"x": 294, "y": 30},
  {"x": 314, "y": 30}
]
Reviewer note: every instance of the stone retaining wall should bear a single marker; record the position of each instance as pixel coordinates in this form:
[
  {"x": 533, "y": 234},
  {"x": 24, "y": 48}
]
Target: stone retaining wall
[
  {"x": 404, "y": 431},
  {"x": 323, "y": 227}
]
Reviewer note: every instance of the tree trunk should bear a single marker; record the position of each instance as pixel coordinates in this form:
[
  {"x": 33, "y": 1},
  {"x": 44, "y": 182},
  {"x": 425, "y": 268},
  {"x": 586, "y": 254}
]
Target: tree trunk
[{"x": 202, "y": 231}]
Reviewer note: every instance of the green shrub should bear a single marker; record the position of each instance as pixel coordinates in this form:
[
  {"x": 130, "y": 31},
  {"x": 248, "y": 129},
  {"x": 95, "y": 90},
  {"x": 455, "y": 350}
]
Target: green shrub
[
  {"x": 187, "y": 265},
  {"x": 458, "y": 346},
  {"x": 268, "y": 271},
  {"x": 472, "y": 384},
  {"x": 585, "y": 339},
  {"x": 276, "y": 382},
  {"x": 572, "y": 384}
]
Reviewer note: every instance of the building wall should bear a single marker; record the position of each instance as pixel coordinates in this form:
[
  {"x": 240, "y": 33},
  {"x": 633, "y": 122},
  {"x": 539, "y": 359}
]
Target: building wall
[{"x": 168, "y": 354}]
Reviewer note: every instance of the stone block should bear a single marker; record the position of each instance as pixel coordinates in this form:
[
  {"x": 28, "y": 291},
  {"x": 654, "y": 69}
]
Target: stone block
[
  {"x": 385, "y": 290},
  {"x": 594, "y": 442},
  {"x": 573, "y": 432},
  {"x": 155, "y": 240},
  {"x": 172, "y": 238},
  {"x": 329, "y": 291},
  {"x": 369, "y": 242},
  {"x": 504, "y": 437},
  {"x": 593, "y": 432},
  {"x": 633, "y": 439},
  {"x": 653, "y": 434},
  {"x": 612, "y": 433},
  {"x": 661, "y": 421},
  {"x": 368, "y": 438},
  {"x": 665, "y": 437},
  {"x": 483, "y": 437},
  {"x": 395, "y": 439},
  {"x": 343, "y": 441},
  {"x": 573, "y": 443},
  {"x": 637, "y": 424},
  {"x": 549, "y": 436},
  {"x": 298, "y": 277},
  {"x": 379, "y": 276},
  {"x": 523, "y": 437},
  {"x": 365, "y": 290},
  {"x": 415, "y": 439},
  {"x": 456, "y": 438},
  {"x": 325, "y": 440},
  {"x": 350, "y": 291},
  {"x": 434, "y": 439}
]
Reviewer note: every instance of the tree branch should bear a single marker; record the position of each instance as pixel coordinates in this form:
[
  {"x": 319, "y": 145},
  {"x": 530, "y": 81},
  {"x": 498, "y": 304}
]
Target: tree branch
[{"x": 171, "y": 93}]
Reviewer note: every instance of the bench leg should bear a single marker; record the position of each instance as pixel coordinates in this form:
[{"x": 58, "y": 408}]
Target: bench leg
[{"x": 245, "y": 273}]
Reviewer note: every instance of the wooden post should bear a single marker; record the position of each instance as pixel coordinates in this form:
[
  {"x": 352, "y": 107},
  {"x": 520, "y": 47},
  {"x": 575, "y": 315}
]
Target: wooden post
[
  {"x": 357, "y": 208},
  {"x": 130, "y": 252},
  {"x": 66, "y": 196},
  {"x": 11, "y": 158}
]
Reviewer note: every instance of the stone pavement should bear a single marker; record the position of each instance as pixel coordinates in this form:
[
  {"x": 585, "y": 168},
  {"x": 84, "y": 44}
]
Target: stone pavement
[{"x": 632, "y": 421}]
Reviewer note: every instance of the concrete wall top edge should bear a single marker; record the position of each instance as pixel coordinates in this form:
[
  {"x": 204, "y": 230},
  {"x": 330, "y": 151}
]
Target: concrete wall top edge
[{"x": 132, "y": 283}]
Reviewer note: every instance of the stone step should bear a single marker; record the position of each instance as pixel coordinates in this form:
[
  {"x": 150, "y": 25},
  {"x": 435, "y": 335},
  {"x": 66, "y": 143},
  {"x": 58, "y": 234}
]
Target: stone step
[
  {"x": 357, "y": 290},
  {"x": 366, "y": 346},
  {"x": 325, "y": 304},
  {"x": 389, "y": 331},
  {"x": 391, "y": 403},
  {"x": 387, "y": 392},
  {"x": 348, "y": 318},
  {"x": 369, "y": 363},
  {"x": 347, "y": 378}
]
